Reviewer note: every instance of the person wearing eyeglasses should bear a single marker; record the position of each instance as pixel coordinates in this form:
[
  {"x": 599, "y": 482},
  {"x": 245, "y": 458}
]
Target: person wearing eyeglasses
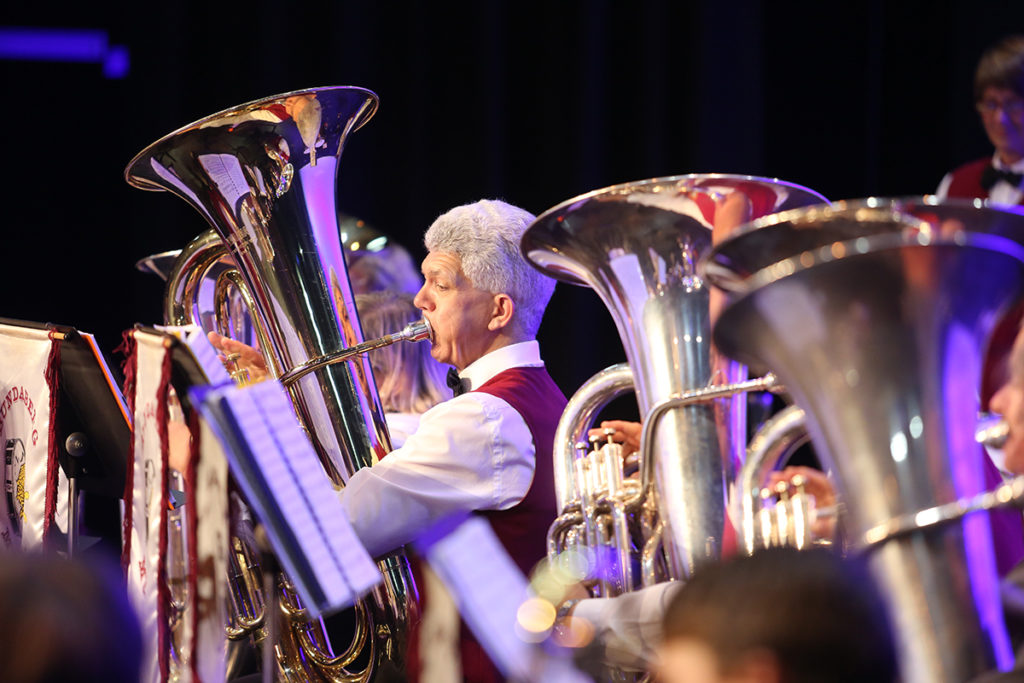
[{"x": 999, "y": 99}]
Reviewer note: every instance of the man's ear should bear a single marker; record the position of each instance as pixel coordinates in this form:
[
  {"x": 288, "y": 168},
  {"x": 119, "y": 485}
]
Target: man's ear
[{"x": 501, "y": 314}]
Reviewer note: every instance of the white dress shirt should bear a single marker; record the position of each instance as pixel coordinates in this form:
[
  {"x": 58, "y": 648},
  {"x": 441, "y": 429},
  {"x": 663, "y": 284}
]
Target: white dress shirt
[
  {"x": 1000, "y": 193},
  {"x": 472, "y": 452}
]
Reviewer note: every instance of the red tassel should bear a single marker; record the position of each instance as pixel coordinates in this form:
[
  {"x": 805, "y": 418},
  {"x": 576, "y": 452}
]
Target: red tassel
[
  {"x": 192, "y": 515},
  {"x": 163, "y": 590},
  {"x": 52, "y": 465},
  {"x": 128, "y": 368}
]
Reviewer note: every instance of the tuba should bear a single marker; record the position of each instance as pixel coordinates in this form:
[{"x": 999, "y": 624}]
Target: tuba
[
  {"x": 774, "y": 238},
  {"x": 263, "y": 175},
  {"x": 877, "y": 330},
  {"x": 638, "y": 246}
]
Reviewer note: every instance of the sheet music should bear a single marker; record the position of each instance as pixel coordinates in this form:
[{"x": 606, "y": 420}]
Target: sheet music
[
  {"x": 488, "y": 587},
  {"x": 284, "y": 482}
]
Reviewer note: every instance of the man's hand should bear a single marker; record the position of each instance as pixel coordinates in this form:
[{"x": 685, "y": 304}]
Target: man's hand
[
  {"x": 248, "y": 358},
  {"x": 626, "y": 433},
  {"x": 817, "y": 484}
]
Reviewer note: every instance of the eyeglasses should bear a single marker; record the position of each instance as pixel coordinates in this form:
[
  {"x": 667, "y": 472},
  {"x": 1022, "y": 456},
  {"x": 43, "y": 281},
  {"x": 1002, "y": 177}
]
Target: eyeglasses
[{"x": 1013, "y": 108}]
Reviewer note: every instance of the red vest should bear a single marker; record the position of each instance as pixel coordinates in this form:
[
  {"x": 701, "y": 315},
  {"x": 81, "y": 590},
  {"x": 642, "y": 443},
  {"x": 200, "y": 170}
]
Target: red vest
[
  {"x": 523, "y": 528},
  {"x": 966, "y": 181}
]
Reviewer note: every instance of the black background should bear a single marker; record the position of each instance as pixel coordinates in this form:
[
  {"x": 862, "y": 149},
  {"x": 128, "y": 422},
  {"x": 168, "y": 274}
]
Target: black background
[{"x": 530, "y": 102}]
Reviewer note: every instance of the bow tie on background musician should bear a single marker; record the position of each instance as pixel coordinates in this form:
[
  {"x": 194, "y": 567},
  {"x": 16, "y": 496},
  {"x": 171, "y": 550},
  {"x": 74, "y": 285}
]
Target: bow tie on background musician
[{"x": 991, "y": 175}]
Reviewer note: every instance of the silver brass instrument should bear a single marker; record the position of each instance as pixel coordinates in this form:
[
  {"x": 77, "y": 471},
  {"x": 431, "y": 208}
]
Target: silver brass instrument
[
  {"x": 263, "y": 174},
  {"x": 765, "y": 520},
  {"x": 774, "y": 238},
  {"x": 879, "y": 338},
  {"x": 638, "y": 245}
]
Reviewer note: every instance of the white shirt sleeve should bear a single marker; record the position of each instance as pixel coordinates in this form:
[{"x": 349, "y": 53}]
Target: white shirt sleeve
[
  {"x": 627, "y": 628},
  {"x": 473, "y": 452}
]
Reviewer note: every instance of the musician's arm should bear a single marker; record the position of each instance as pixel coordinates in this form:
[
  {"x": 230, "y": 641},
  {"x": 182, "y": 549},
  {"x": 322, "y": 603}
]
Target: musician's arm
[
  {"x": 627, "y": 628},
  {"x": 473, "y": 452}
]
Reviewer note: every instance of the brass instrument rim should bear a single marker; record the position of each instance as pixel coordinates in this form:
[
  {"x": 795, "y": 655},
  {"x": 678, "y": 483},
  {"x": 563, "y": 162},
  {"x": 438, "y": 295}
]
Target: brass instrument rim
[
  {"x": 678, "y": 183},
  {"x": 729, "y": 265},
  {"x": 139, "y": 181},
  {"x": 863, "y": 246}
]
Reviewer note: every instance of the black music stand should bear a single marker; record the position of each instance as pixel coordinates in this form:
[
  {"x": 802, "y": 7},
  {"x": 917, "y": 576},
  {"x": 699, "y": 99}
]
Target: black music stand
[{"x": 93, "y": 432}]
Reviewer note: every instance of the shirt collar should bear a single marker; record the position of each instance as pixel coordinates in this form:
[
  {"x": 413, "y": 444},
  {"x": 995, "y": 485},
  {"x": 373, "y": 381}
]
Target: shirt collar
[
  {"x": 512, "y": 356},
  {"x": 1016, "y": 167}
]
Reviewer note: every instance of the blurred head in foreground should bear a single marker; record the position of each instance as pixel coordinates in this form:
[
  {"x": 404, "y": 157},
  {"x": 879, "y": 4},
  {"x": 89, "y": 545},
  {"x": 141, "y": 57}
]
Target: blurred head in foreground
[{"x": 779, "y": 616}]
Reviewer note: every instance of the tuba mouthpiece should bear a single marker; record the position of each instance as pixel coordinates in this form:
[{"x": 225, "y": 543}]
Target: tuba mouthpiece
[
  {"x": 416, "y": 331},
  {"x": 992, "y": 431}
]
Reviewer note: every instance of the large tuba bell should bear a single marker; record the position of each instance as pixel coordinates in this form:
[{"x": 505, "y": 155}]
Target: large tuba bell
[
  {"x": 638, "y": 245},
  {"x": 263, "y": 174},
  {"x": 877, "y": 330}
]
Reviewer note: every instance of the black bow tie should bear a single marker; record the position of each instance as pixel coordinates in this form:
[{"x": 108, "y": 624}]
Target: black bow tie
[
  {"x": 455, "y": 382},
  {"x": 992, "y": 175}
]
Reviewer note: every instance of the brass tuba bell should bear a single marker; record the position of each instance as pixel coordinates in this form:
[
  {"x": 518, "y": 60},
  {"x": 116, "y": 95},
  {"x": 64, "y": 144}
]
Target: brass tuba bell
[
  {"x": 877, "y": 331},
  {"x": 263, "y": 174}
]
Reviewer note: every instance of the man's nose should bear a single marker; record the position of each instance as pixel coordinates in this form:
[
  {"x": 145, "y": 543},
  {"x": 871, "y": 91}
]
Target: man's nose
[
  {"x": 998, "y": 401},
  {"x": 420, "y": 300}
]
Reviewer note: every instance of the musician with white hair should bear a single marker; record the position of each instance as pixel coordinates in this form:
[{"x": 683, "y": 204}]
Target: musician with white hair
[{"x": 487, "y": 449}]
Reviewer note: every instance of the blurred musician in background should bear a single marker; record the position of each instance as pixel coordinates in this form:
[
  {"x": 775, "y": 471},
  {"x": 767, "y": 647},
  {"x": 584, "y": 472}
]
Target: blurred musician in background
[
  {"x": 488, "y": 449},
  {"x": 999, "y": 98},
  {"x": 1008, "y": 401},
  {"x": 376, "y": 263},
  {"x": 409, "y": 380}
]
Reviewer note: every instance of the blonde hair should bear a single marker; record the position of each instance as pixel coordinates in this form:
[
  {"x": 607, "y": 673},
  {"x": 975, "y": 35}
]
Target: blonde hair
[{"x": 408, "y": 379}]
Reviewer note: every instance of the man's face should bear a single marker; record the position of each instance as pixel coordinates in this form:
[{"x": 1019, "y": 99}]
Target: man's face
[
  {"x": 458, "y": 312},
  {"x": 1009, "y": 402},
  {"x": 1002, "y": 114}
]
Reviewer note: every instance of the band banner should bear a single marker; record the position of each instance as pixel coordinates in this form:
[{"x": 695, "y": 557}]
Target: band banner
[
  {"x": 177, "y": 565},
  {"x": 205, "y": 618},
  {"x": 145, "y": 542},
  {"x": 33, "y": 500}
]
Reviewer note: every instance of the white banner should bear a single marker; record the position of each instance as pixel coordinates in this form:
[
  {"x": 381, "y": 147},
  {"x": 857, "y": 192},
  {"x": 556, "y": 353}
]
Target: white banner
[
  {"x": 146, "y": 540},
  {"x": 30, "y": 494},
  {"x": 208, "y": 578}
]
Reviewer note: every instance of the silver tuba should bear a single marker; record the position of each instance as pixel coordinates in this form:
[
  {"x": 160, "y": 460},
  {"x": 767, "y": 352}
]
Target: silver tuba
[
  {"x": 263, "y": 174},
  {"x": 878, "y": 336},
  {"x": 638, "y": 245},
  {"x": 802, "y": 232}
]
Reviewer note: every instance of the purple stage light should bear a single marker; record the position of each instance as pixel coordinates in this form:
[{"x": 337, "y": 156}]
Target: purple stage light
[{"x": 64, "y": 45}]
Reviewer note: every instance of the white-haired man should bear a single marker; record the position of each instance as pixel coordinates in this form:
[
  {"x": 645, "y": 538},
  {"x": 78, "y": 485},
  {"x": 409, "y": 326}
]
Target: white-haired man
[{"x": 488, "y": 449}]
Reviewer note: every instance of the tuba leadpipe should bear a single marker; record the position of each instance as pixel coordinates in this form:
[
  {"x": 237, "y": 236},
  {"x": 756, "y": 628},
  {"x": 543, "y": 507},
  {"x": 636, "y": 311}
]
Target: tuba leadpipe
[{"x": 264, "y": 174}]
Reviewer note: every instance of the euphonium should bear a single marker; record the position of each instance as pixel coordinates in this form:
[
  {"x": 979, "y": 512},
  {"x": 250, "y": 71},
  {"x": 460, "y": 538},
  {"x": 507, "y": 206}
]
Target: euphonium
[
  {"x": 637, "y": 245},
  {"x": 263, "y": 174},
  {"x": 879, "y": 338}
]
